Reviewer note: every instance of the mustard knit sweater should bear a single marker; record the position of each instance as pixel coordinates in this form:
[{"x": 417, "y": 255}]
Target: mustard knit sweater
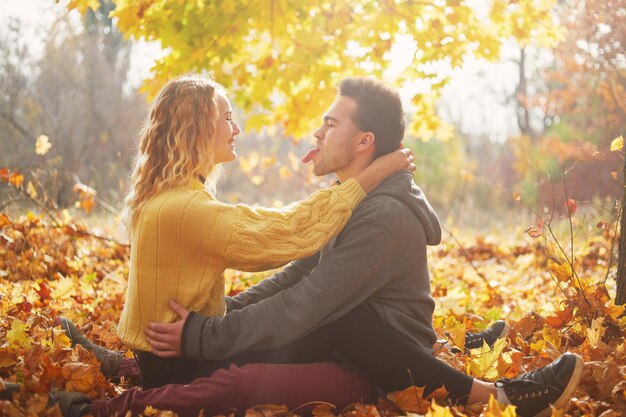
[{"x": 184, "y": 239}]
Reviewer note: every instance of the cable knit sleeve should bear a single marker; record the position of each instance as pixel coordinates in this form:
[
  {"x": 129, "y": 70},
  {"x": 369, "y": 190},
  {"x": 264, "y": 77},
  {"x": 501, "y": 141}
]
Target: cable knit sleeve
[{"x": 261, "y": 237}]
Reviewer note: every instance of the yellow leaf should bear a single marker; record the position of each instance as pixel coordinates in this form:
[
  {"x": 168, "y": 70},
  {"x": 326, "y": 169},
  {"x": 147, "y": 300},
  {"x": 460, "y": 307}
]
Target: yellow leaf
[
  {"x": 43, "y": 145},
  {"x": 83, "y": 5},
  {"x": 617, "y": 144},
  {"x": 60, "y": 339},
  {"x": 562, "y": 271},
  {"x": 438, "y": 411},
  {"x": 495, "y": 409},
  {"x": 31, "y": 190},
  {"x": 150, "y": 411},
  {"x": 17, "y": 335},
  {"x": 484, "y": 361},
  {"x": 538, "y": 346},
  {"x": 456, "y": 332},
  {"x": 595, "y": 333},
  {"x": 552, "y": 336},
  {"x": 63, "y": 288}
]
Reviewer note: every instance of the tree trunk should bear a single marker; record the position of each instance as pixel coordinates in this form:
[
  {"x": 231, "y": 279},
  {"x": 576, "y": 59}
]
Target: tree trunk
[{"x": 620, "y": 293}]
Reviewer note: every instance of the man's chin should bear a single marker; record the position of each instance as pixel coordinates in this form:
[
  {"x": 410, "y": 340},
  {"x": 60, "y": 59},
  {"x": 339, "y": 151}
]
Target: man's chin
[{"x": 319, "y": 171}]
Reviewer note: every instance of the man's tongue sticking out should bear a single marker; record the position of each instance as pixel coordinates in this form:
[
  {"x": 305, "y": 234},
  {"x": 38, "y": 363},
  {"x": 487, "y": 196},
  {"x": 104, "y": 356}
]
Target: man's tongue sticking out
[{"x": 310, "y": 155}]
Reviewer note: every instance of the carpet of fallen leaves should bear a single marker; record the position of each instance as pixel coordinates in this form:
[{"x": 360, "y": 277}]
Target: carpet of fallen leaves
[{"x": 553, "y": 305}]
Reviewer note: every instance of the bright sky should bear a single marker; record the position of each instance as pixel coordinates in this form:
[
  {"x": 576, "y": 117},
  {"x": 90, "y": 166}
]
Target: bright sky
[{"x": 474, "y": 99}]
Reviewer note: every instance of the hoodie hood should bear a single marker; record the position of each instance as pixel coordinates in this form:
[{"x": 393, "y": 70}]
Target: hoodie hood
[{"x": 402, "y": 187}]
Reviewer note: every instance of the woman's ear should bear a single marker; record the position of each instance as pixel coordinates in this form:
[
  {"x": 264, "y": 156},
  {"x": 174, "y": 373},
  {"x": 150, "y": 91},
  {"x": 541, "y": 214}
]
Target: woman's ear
[{"x": 366, "y": 141}]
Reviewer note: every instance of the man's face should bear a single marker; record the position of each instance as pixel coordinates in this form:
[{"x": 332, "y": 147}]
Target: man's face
[{"x": 337, "y": 138}]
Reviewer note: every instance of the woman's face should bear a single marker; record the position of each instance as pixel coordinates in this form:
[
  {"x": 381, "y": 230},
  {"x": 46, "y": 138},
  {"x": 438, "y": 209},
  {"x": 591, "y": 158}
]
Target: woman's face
[{"x": 225, "y": 131}]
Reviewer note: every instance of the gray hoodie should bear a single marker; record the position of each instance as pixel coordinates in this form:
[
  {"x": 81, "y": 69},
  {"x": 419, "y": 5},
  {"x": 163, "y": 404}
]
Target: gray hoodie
[{"x": 379, "y": 260}]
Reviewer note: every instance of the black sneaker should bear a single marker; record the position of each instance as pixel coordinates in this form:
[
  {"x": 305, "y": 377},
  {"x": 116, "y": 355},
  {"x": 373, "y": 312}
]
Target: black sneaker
[
  {"x": 496, "y": 331},
  {"x": 534, "y": 393},
  {"x": 72, "y": 404},
  {"x": 7, "y": 389},
  {"x": 110, "y": 360}
]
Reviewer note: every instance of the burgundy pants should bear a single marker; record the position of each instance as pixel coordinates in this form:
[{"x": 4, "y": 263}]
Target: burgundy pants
[{"x": 246, "y": 386}]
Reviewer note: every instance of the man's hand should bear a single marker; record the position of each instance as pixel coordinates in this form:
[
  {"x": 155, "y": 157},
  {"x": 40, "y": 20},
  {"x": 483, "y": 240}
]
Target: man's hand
[{"x": 165, "y": 339}]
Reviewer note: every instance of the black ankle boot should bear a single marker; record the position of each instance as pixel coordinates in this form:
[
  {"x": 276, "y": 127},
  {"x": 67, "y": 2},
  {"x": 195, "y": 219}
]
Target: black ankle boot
[{"x": 110, "y": 360}]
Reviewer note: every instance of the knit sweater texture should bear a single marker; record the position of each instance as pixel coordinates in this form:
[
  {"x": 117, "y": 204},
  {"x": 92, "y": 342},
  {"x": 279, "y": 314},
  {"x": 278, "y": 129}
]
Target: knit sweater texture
[
  {"x": 184, "y": 239},
  {"x": 378, "y": 260}
]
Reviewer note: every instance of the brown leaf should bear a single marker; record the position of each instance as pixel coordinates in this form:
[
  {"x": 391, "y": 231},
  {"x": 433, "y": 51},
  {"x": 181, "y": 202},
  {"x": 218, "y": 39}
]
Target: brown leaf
[{"x": 267, "y": 410}]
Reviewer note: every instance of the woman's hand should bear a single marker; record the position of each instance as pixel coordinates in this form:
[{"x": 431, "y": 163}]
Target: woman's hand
[
  {"x": 384, "y": 166},
  {"x": 166, "y": 339}
]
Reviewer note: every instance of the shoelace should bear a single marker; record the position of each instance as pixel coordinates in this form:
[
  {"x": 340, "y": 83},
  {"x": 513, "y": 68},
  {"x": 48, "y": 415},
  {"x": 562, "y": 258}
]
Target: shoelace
[{"x": 523, "y": 389}]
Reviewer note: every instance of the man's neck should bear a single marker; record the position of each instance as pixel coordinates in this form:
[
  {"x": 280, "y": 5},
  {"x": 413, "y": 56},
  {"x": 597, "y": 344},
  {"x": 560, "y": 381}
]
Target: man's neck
[{"x": 353, "y": 169}]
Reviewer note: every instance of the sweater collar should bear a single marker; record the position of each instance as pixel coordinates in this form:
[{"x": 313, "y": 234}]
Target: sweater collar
[{"x": 196, "y": 184}]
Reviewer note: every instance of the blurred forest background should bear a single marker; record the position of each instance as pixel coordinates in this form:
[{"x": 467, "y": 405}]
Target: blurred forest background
[{"x": 510, "y": 125}]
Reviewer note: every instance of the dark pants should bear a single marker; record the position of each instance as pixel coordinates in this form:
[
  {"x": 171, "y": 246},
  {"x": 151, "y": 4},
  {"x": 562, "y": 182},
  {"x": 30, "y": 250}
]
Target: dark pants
[{"x": 380, "y": 352}]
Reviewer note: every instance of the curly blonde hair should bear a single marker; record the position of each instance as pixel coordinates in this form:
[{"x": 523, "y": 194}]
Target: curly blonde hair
[{"x": 176, "y": 141}]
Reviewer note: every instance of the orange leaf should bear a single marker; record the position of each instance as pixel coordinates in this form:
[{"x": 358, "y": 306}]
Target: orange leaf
[
  {"x": 16, "y": 179},
  {"x": 560, "y": 318},
  {"x": 4, "y": 220},
  {"x": 571, "y": 206},
  {"x": 79, "y": 377},
  {"x": 4, "y": 174},
  {"x": 535, "y": 231},
  {"x": 410, "y": 399}
]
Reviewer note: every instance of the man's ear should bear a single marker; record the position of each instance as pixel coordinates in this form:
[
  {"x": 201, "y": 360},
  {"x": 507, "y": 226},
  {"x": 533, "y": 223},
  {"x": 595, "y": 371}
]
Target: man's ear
[{"x": 367, "y": 141}]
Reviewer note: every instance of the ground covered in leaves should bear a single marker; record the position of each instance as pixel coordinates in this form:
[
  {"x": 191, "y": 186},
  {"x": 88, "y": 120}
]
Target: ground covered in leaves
[{"x": 555, "y": 298}]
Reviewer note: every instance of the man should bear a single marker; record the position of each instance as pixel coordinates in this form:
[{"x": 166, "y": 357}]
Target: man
[{"x": 367, "y": 294}]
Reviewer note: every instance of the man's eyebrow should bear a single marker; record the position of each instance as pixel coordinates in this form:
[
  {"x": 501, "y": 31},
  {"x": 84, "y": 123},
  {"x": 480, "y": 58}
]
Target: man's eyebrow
[{"x": 327, "y": 118}]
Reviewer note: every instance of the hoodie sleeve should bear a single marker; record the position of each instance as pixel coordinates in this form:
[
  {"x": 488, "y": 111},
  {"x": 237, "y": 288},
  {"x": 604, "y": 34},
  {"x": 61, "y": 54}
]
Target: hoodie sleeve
[
  {"x": 350, "y": 273},
  {"x": 292, "y": 274}
]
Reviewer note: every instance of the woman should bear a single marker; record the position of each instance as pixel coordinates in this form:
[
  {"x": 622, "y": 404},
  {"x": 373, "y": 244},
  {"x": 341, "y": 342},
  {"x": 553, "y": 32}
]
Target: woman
[{"x": 182, "y": 238}]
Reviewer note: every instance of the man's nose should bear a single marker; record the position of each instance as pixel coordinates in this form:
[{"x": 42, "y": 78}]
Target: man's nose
[{"x": 319, "y": 133}]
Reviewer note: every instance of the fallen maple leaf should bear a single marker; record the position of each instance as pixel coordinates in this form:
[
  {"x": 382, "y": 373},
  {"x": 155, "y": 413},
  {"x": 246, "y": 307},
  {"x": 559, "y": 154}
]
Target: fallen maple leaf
[
  {"x": 436, "y": 410},
  {"x": 483, "y": 361},
  {"x": 560, "y": 318},
  {"x": 456, "y": 332},
  {"x": 410, "y": 400},
  {"x": 79, "y": 377},
  {"x": 496, "y": 409},
  {"x": 16, "y": 179},
  {"x": 18, "y": 336}
]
